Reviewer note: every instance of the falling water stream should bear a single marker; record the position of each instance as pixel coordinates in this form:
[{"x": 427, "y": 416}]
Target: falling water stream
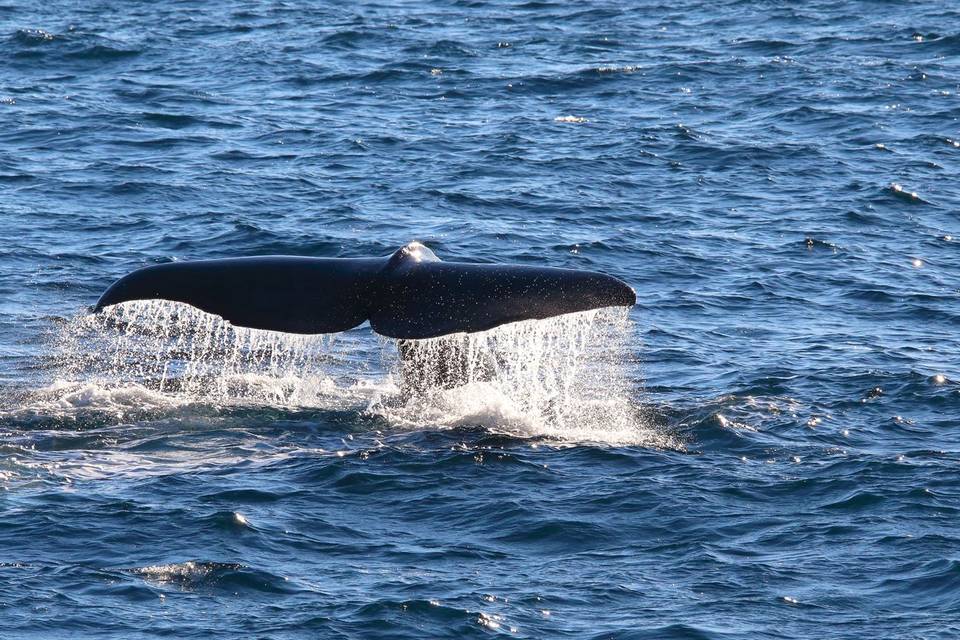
[{"x": 568, "y": 377}]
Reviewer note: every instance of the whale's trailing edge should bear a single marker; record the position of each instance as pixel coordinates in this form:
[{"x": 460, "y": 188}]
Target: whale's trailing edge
[
  {"x": 409, "y": 295},
  {"x": 291, "y": 294}
]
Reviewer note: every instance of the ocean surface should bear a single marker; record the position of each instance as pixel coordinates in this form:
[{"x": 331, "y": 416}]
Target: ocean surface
[{"x": 766, "y": 446}]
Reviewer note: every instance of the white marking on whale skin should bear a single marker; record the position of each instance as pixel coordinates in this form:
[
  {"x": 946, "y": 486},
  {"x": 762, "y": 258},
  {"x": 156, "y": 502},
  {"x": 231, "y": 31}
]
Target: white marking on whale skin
[{"x": 419, "y": 252}]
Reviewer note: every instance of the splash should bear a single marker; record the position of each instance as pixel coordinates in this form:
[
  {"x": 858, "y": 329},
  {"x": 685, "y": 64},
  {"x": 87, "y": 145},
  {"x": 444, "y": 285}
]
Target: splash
[
  {"x": 161, "y": 349},
  {"x": 565, "y": 377},
  {"x": 570, "y": 377}
]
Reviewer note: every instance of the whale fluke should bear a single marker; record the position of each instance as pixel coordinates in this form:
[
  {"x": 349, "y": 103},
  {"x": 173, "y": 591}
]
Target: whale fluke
[{"x": 408, "y": 295}]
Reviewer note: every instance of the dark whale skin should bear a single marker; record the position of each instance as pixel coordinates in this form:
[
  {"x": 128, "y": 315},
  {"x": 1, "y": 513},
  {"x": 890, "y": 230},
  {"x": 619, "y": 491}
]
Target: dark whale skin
[{"x": 408, "y": 295}]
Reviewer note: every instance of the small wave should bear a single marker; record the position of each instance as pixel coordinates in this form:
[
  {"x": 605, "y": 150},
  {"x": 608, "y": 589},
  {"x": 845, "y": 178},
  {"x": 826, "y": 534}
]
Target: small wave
[
  {"x": 812, "y": 244},
  {"x": 32, "y": 36},
  {"x": 572, "y": 80},
  {"x": 171, "y": 120},
  {"x": 763, "y": 45},
  {"x": 560, "y": 535},
  {"x": 612, "y": 69},
  {"x": 71, "y": 45},
  {"x": 899, "y": 192},
  {"x": 456, "y": 621},
  {"x": 349, "y": 39},
  {"x": 937, "y": 43},
  {"x": 198, "y": 575},
  {"x": 934, "y": 582},
  {"x": 103, "y": 52},
  {"x": 449, "y": 49},
  {"x": 96, "y": 403},
  {"x": 65, "y": 395}
]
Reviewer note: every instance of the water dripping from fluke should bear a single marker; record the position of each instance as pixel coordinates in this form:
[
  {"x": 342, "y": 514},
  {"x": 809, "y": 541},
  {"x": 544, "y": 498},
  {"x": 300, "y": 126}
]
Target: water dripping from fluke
[
  {"x": 147, "y": 359},
  {"x": 566, "y": 378}
]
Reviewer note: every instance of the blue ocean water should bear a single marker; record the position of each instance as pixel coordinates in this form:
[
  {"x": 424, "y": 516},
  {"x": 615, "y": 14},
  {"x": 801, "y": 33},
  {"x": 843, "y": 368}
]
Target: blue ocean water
[{"x": 768, "y": 447}]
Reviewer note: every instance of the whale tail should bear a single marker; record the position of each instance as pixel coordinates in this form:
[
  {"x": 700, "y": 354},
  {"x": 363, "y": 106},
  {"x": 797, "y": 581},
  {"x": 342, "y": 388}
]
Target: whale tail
[{"x": 408, "y": 295}]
